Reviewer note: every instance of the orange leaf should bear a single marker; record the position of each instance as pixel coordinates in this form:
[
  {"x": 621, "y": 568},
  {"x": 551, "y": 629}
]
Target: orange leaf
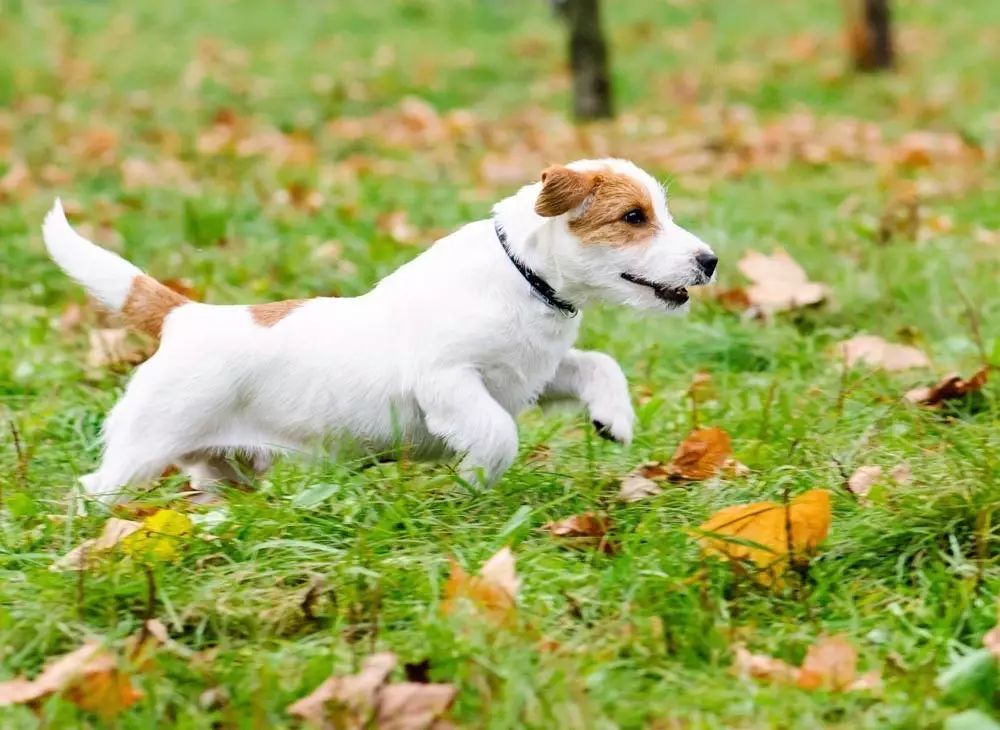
[
  {"x": 493, "y": 591},
  {"x": 830, "y": 663},
  {"x": 701, "y": 455},
  {"x": 89, "y": 677},
  {"x": 586, "y": 529},
  {"x": 759, "y": 532}
]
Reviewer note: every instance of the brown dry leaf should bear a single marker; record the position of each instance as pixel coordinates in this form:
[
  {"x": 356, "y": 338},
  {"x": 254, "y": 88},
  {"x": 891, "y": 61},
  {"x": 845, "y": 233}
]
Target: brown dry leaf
[
  {"x": 110, "y": 347},
  {"x": 587, "y": 529},
  {"x": 779, "y": 284},
  {"x": 701, "y": 455},
  {"x": 758, "y": 532},
  {"x": 88, "y": 677},
  {"x": 991, "y": 640},
  {"x": 830, "y": 664},
  {"x": 762, "y": 666},
  {"x": 877, "y": 353},
  {"x": 355, "y": 701},
  {"x": 951, "y": 387},
  {"x": 115, "y": 530},
  {"x": 414, "y": 706},
  {"x": 346, "y": 702},
  {"x": 493, "y": 591},
  {"x": 901, "y": 473},
  {"x": 863, "y": 479},
  {"x": 636, "y": 487},
  {"x": 397, "y": 226}
]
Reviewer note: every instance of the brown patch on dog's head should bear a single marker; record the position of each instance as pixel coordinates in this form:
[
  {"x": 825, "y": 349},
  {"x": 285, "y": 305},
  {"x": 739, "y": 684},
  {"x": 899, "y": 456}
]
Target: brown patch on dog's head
[
  {"x": 268, "y": 315},
  {"x": 148, "y": 303},
  {"x": 562, "y": 190},
  {"x": 619, "y": 213}
]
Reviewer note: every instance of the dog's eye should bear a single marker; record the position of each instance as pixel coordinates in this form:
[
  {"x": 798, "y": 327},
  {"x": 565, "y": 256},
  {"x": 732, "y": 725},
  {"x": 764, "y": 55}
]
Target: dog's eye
[{"x": 634, "y": 217}]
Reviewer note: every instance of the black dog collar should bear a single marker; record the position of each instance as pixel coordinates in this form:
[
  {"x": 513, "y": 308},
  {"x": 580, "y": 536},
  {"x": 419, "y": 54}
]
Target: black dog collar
[{"x": 539, "y": 287}]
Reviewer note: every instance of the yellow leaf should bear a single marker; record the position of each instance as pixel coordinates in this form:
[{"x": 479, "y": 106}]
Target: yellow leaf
[
  {"x": 493, "y": 591},
  {"x": 759, "y": 532},
  {"x": 159, "y": 537}
]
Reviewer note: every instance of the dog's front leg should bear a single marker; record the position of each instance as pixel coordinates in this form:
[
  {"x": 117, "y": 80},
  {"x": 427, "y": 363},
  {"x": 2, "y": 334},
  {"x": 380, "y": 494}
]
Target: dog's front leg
[
  {"x": 596, "y": 380},
  {"x": 459, "y": 410}
]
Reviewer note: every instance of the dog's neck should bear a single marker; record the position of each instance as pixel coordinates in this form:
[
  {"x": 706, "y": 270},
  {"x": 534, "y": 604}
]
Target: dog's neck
[{"x": 538, "y": 242}]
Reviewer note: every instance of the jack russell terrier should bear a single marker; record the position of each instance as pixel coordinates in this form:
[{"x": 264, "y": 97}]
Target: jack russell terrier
[{"x": 437, "y": 360}]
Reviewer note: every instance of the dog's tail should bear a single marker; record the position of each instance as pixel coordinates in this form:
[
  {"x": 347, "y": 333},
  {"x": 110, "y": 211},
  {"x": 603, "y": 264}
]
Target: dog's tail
[{"x": 114, "y": 282}]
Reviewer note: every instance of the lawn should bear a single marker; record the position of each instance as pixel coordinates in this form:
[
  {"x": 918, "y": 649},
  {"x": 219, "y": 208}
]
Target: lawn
[{"x": 262, "y": 151}]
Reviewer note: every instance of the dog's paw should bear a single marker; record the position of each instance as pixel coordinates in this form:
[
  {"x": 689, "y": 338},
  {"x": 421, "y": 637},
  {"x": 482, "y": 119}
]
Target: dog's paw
[{"x": 614, "y": 426}]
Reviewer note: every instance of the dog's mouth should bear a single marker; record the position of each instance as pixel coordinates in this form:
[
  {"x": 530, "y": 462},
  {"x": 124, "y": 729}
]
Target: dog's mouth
[{"x": 675, "y": 296}]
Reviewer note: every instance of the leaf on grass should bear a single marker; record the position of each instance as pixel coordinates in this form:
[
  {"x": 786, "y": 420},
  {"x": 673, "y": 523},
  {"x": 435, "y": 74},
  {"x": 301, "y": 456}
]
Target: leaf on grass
[
  {"x": 779, "y": 283},
  {"x": 110, "y": 347},
  {"x": 397, "y": 226},
  {"x": 951, "y": 387},
  {"x": 830, "y": 664},
  {"x": 346, "y": 702},
  {"x": 701, "y": 455},
  {"x": 636, "y": 487},
  {"x": 587, "y": 529},
  {"x": 366, "y": 699},
  {"x": 83, "y": 555},
  {"x": 493, "y": 591},
  {"x": 991, "y": 640},
  {"x": 901, "y": 473},
  {"x": 759, "y": 532},
  {"x": 160, "y": 536},
  {"x": 877, "y": 353},
  {"x": 862, "y": 480},
  {"x": 89, "y": 677}
]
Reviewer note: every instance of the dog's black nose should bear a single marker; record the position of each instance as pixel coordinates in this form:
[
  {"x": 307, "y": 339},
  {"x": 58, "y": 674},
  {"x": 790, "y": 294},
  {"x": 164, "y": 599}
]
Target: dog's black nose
[{"x": 707, "y": 262}]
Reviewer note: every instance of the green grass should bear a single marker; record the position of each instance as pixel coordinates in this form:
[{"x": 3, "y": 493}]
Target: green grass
[{"x": 643, "y": 635}]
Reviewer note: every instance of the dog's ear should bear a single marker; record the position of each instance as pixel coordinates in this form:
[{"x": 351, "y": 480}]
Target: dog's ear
[{"x": 562, "y": 190}]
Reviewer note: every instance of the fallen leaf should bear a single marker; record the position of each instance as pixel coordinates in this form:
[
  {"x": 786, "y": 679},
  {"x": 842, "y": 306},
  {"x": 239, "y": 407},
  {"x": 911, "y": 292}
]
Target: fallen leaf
[
  {"x": 951, "y": 387},
  {"x": 493, "y": 590},
  {"x": 366, "y": 699},
  {"x": 110, "y": 347},
  {"x": 901, "y": 473},
  {"x": 701, "y": 455},
  {"x": 779, "y": 283},
  {"x": 759, "y": 532},
  {"x": 636, "y": 487},
  {"x": 991, "y": 640},
  {"x": 82, "y": 556},
  {"x": 830, "y": 664},
  {"x": 159, "y": 537},
  {"x": 862, "y": 480},
  {"x": 584, "y": 529},
  {"x": 877, "y": 353},
  {"x": 398, "y": 227},
  {"x": 413, "y": 706},
  {"x": 346, "y": 702},
  {"x": 762, "y": 666},
  {"x": 89, "y": 677}
]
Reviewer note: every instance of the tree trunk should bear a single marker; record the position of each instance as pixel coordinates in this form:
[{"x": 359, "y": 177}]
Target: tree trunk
[
  {"x": 588, "y": 59},
  {"x": 869, "y": 34}
]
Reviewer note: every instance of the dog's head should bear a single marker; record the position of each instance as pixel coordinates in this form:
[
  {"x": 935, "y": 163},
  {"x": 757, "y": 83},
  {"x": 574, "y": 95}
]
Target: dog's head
[{"x": 615, "y": 238}]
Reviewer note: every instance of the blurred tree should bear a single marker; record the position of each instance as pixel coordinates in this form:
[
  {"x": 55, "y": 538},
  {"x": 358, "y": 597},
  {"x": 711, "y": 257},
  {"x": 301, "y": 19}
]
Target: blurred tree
[
  {"x": 869, "y": 34},
  {"x": 588, "y": 58}
]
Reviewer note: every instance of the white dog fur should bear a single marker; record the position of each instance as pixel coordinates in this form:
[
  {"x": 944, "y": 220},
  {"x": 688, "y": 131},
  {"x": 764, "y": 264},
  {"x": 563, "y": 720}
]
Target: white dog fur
[{"x": 437, "y": 360}]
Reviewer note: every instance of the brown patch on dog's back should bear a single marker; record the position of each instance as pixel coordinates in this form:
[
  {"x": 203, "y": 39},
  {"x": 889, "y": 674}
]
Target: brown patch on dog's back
[
  {"x": 268, "y": 315},
  {"x": 148, "y": 303},
  {"x": 614, "y": 195}
]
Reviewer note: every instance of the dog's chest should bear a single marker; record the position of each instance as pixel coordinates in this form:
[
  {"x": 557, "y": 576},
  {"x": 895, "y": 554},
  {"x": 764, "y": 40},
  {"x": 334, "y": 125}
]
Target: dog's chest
[{"x": 520, "y": 369}]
